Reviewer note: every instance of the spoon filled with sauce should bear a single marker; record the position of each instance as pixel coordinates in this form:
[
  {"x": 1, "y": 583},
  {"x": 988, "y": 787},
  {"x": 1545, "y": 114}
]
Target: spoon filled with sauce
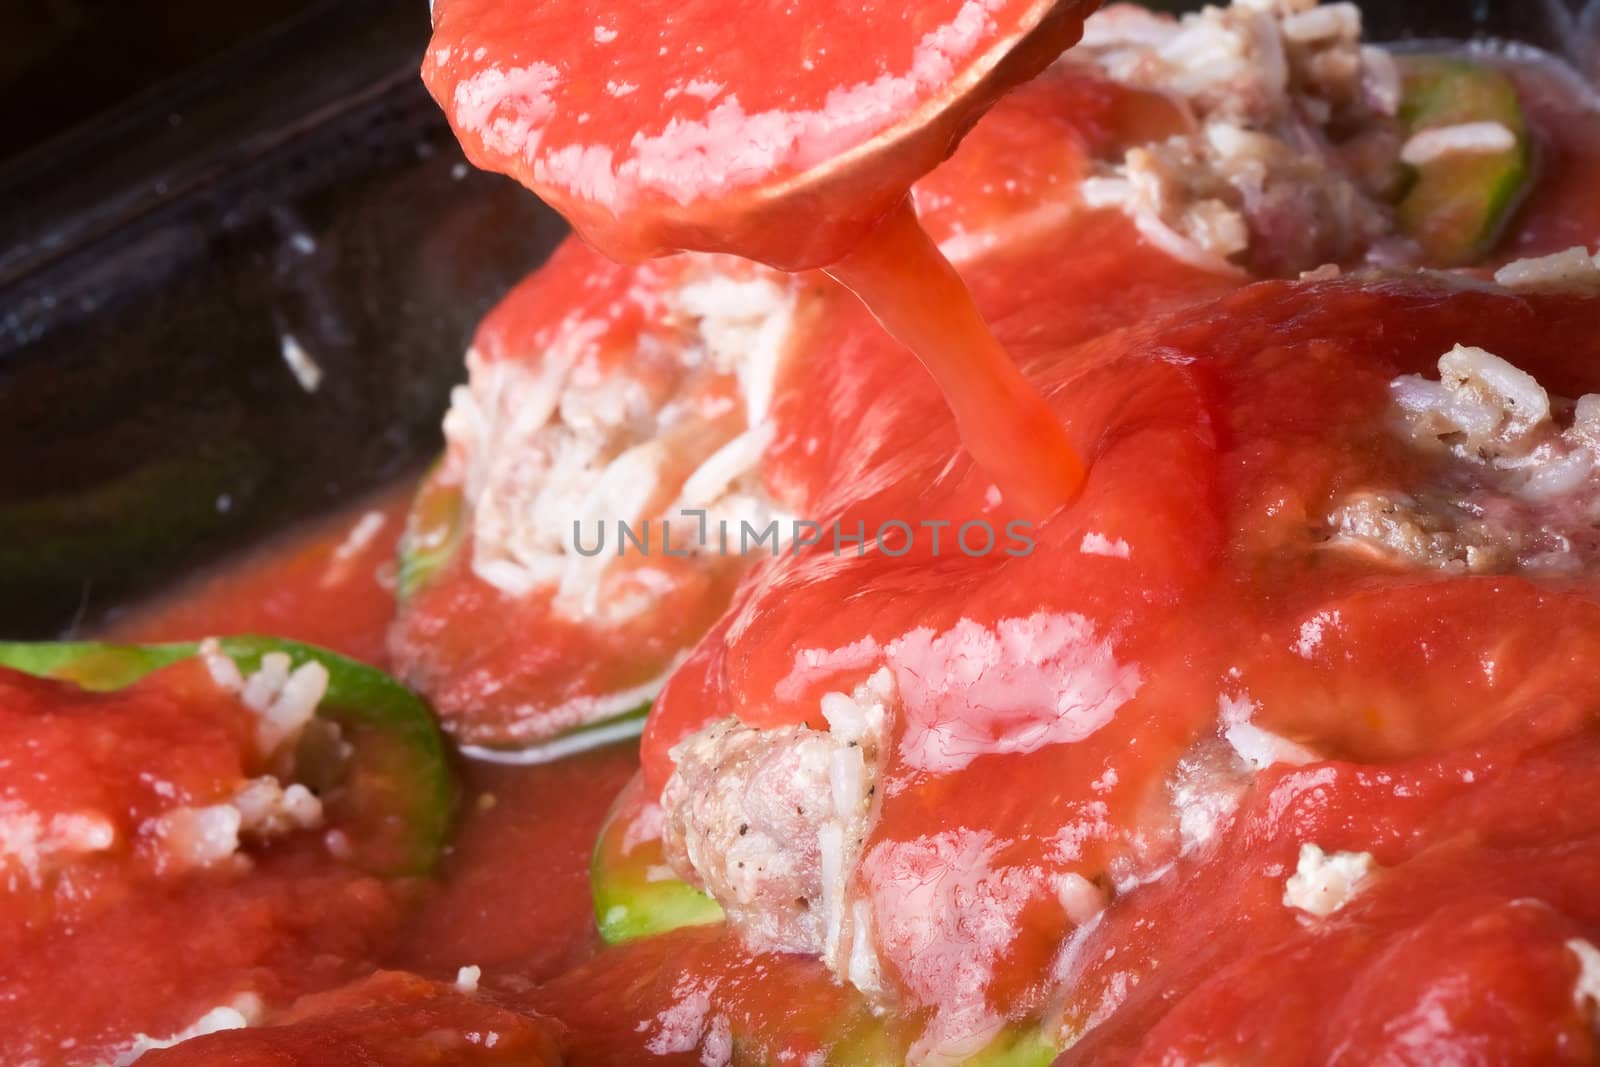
[{"x": 783, "y": 132}]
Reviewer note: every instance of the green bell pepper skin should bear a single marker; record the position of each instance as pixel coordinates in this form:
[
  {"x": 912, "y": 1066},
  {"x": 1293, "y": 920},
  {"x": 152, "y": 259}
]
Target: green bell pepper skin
[
  {"x": 433, "y": 532},
  {"x": 1457, "y": 205},
  {"x": 91, "y": 665},
  {"x": 627, "y": 903},
  {"x": 1017, "y": 1046},
  {"x": 396, "y": 805},
  {"x": 869, "y": 1045},
  {"x": 630, "y": 905}
]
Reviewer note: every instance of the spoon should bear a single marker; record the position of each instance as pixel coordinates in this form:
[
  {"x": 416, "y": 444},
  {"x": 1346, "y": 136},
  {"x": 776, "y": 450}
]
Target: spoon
[
  {"x": 785, "y": 131},
  {"x": 779, "y": 130}
]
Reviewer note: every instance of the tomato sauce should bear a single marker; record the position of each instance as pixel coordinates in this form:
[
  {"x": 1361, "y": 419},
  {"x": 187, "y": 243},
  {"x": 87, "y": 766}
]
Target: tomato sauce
[
  {"x": 463, "y": 640},
  {"x": 672, "y": 134},
  {"x": 1558, "y": 211},
  {"x": 1218, "y": 439},
  {"x": 666, "y": 998},
  {"x": 807, "y": 170},
  {"x": 1004, "y": 206},
  {"x": 329, "y": 584},
  {"x": 921, "y": 301},
  {"x": 1059, "y": 725},
  {"x": 1459, "y": 944},
  {"x": 104, "y": 914},
  {"x": 1218, "y": 430},
  {"x": 517, "y": 825},
  {"x": 514, "y": 889},
  {"x": 392, "y": 1018}
]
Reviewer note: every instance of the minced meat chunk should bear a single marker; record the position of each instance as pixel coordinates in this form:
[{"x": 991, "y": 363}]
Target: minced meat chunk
[
  {"x": 1515, "y": 485},
  {"x": 770, "y": 822},
  {"x": 1294, "y": 149}
]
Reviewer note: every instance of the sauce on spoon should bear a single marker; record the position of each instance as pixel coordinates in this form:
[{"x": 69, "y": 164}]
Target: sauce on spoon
[{"x": 782, "y": 132}]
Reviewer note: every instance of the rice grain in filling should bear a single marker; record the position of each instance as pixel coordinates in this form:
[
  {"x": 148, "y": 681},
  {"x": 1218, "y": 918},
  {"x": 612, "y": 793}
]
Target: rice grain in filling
[
  {"x": 1514, "y": 485},
  {"x": 613, "y": 426},
  {"x": 550, "y": 445}
]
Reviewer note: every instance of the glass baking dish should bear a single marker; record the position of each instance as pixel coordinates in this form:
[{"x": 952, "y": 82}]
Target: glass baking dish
[{"x": 243, "y": 298}]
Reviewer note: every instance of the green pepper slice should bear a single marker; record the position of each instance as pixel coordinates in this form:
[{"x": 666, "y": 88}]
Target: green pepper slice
[
  {"x": 395, "y": 795},
  {"x": 868, "y": 1043},
  {"x": 1458, "y": 204},
  {"x": 432, "y": 533},
  {"x": 631, "y": 899}
]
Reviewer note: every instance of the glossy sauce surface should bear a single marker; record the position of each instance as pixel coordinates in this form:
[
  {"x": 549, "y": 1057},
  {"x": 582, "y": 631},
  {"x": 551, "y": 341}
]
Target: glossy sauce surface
[
  {"x": 391, "y": 1018},
  {"x": 661, "y": 127},
  {"x": 103, "y": 914},
  {"x": 1443, "y": 712}
]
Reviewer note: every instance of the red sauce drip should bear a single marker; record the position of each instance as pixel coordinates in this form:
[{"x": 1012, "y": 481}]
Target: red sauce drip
[
  {"x": 612, "y": 116},
  {"x": 914, "y": 292}
]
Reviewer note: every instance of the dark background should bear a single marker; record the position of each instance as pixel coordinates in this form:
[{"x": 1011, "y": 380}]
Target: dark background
[
  {"x": 182, "y": 189},
  {"x": 62, "y": 61}
]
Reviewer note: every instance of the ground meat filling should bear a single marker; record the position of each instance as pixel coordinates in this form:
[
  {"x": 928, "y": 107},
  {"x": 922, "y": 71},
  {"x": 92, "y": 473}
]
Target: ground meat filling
[
  {"x": 770, "y": 822},
  {"x": 1515, "y": 488},
  {"x": 746, "y": 807},
  {"x": 1295, "y": 147}
]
